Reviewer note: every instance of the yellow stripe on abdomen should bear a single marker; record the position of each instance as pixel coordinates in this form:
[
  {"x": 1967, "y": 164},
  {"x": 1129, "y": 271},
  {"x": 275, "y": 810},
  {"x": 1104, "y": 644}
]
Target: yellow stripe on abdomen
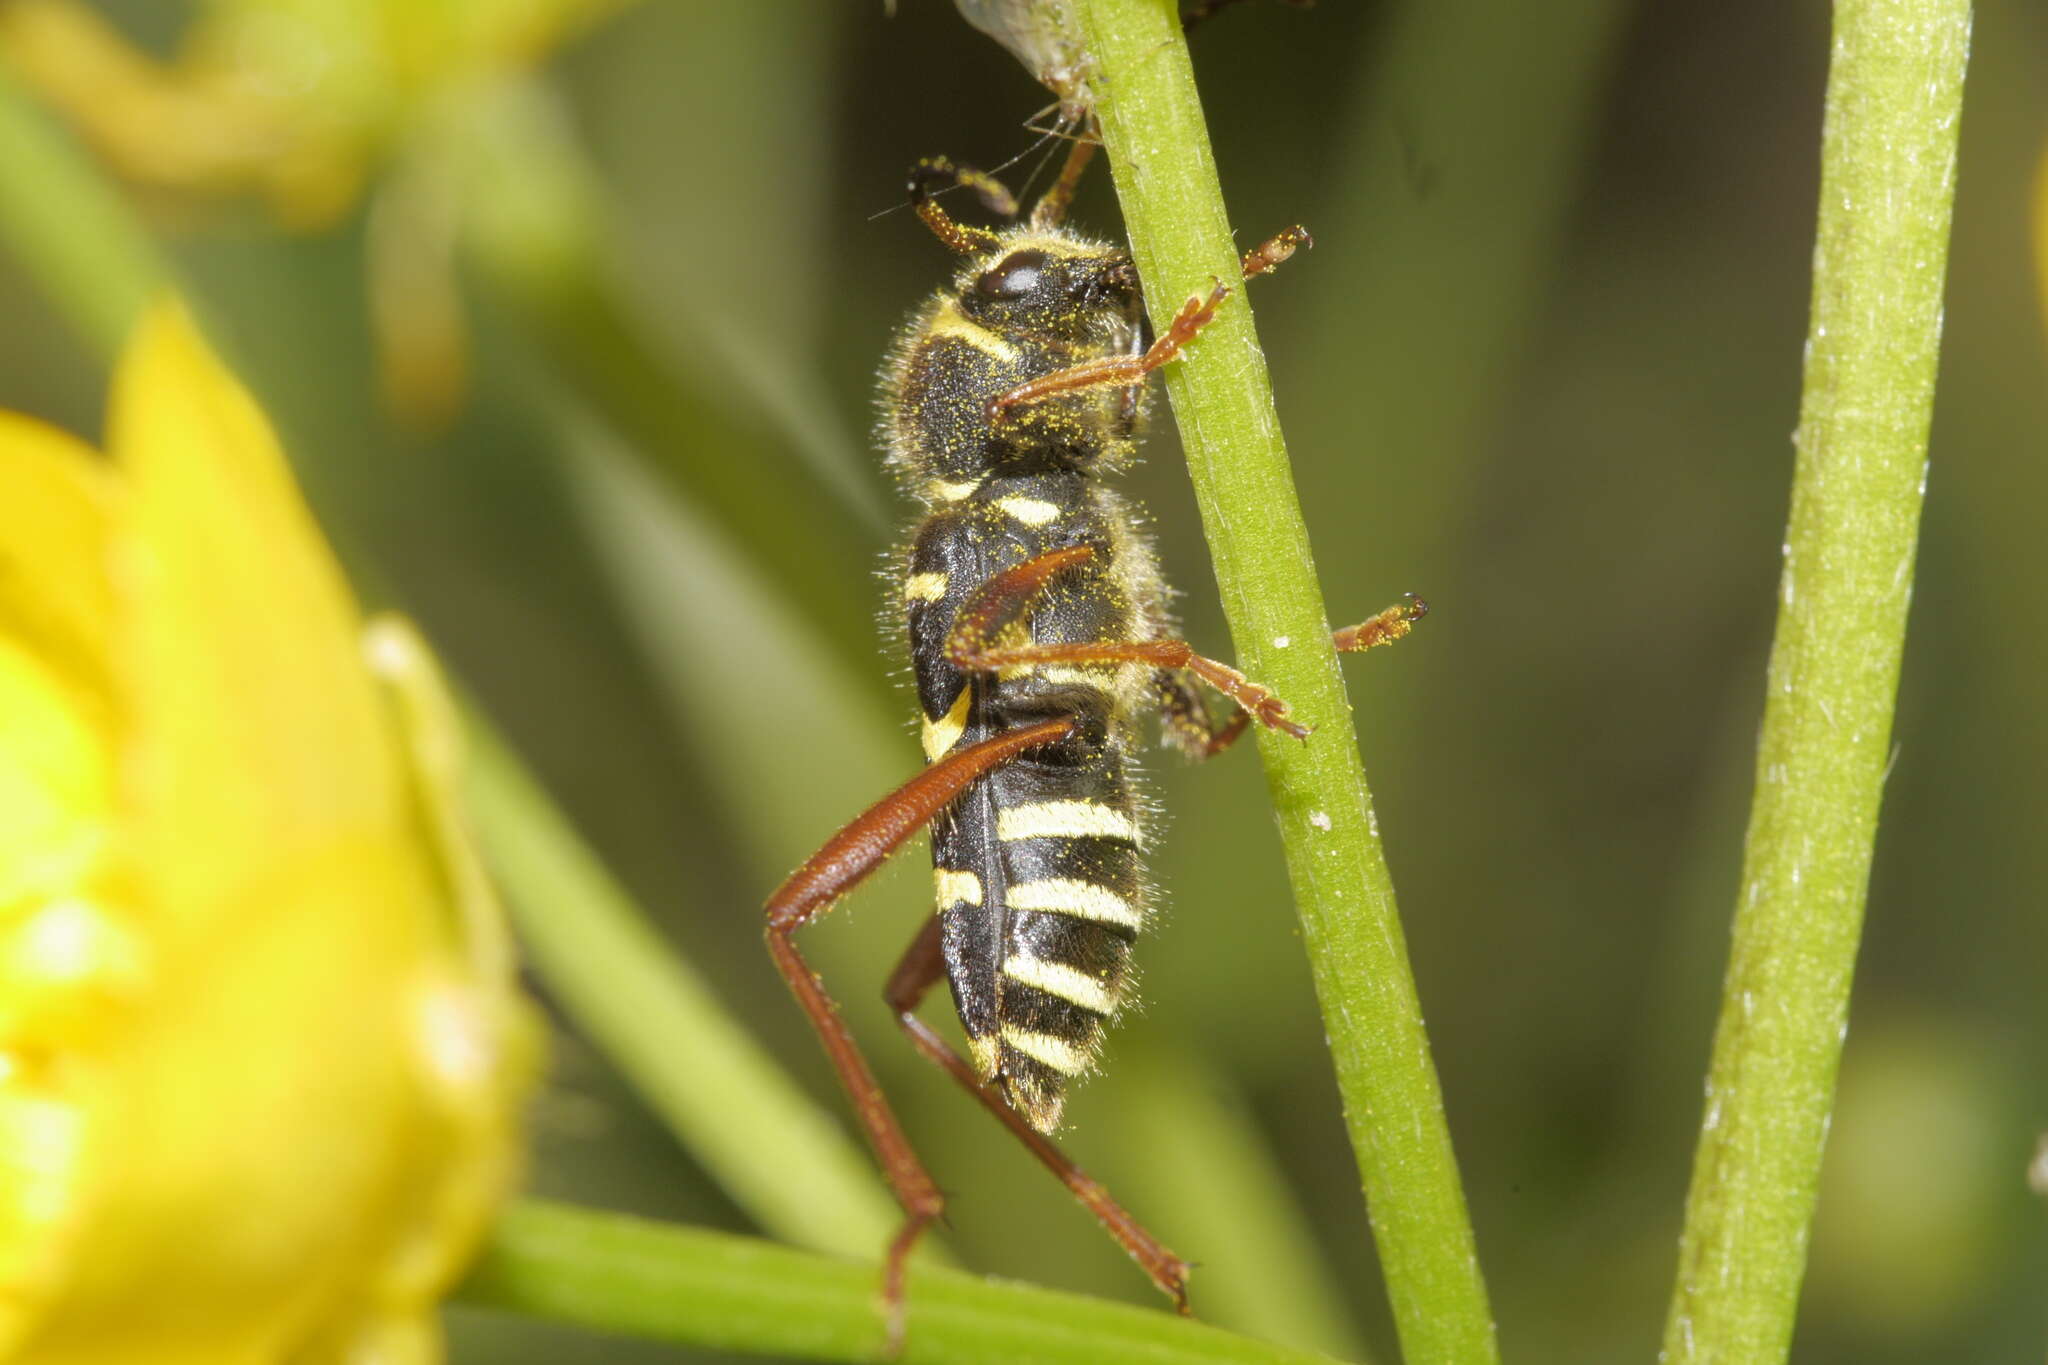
[
  {"x": 1030, "y": 511},
  {"x": 1057, "y": 1053},
  {"x": 942, "y": 734},
  {"x": 1065, "y": 820},
  {"x": 1057, "y": 979},
  {"x": 1082, "y": 900},
  {"x": 955, "y": 888}
]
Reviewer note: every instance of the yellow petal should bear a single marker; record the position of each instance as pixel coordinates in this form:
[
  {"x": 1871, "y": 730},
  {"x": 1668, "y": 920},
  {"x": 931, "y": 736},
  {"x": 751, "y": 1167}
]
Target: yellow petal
[
  {"x": 60, "y": 952},
  {"x": 297, "y": 1106},
  {"x": 53, "y": 549},
  {"x": 54, "y": 618},
  {"x": 260, "y": 729},
  {"x": 258, "y": 1137},
  {"x": 55, "y": 784},
  {"x": 432, "y": 743},
  {"x": 56, "y": 806}
]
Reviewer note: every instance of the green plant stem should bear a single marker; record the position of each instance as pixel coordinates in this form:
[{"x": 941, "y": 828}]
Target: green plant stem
[
  {"x": 1180, "y": 235},
  {"x": 70, "y": 228},
  {"x": 1888, "y": 155},
  {"x": 722, "y": 1292},
  {"x": 776, "y": 1153}
]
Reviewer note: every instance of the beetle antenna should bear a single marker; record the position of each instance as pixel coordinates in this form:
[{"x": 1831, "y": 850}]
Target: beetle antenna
[{"x": 935, "y": 175}]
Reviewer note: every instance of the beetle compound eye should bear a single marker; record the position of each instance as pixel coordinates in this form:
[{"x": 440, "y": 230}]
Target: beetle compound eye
[{"x": 1016, "y": 277}]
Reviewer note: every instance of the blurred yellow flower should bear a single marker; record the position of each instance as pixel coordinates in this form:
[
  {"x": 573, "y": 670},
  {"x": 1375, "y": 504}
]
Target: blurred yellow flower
[
  {"x": 304, "y": 102},
  {"x": 261, "y": 1054},
  {"x": 292, "y": 99}
]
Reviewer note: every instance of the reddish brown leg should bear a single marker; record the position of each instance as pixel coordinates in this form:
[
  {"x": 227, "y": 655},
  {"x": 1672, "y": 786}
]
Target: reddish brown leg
[
  {"x": 1275, "y": 251},
  {"x": 847, "y": 857},
  {"x": 998, "y": 602},
  {"x": 1383, "y": 629},
  {"x": 934, "y": 174},
  {"x": 922, "y": 965},
  {"x": 1267, "y": 709},
  {"x": 1187, "y": 721},
  {"x": 1194, "y": 315},
  {"x": 1051, "y": 209}
]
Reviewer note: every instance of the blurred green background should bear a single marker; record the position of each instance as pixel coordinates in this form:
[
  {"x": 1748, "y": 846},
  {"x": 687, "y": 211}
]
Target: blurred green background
[{"x": 1542, "y": 367}]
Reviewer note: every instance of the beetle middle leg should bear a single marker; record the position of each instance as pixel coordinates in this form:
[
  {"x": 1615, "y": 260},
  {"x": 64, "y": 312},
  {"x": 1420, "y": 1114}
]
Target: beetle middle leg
[
  {"x": 1003, "y": 597},
  {"x": 1185, "y": 718}
]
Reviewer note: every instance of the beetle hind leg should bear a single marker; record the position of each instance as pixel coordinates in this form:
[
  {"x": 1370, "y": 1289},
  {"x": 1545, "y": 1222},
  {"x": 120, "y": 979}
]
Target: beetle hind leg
[{"x": 922, "y": 967}]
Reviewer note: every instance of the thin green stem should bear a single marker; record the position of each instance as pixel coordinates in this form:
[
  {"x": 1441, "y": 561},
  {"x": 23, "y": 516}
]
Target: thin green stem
[
  {"x": 715, "y": 1290},
  {"x": 70, "y": 228},
  {"x": 779, "y": 1155},
  {"x": 1888, "y": 156},
  {"x": 1180, "y": 235}
]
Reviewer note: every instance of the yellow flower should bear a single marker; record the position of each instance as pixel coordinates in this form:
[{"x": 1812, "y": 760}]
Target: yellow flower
[
  {"x": 292, "y": 99},
  {"x": 260, "y": 1048},
  {"x": 305, "y": 102}
]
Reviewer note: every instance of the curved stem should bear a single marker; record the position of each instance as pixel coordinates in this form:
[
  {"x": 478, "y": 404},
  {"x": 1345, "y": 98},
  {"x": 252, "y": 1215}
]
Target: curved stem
[
  {"x": 1888, "y": 156},
  {"x": 713, "y": 1289},
  {"x": 1180, "y": 235}
]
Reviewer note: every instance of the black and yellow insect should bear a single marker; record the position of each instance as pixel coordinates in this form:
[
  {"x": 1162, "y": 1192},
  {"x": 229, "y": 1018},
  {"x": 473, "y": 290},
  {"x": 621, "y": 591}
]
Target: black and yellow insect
[{"x": 1039, "y": 635}]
